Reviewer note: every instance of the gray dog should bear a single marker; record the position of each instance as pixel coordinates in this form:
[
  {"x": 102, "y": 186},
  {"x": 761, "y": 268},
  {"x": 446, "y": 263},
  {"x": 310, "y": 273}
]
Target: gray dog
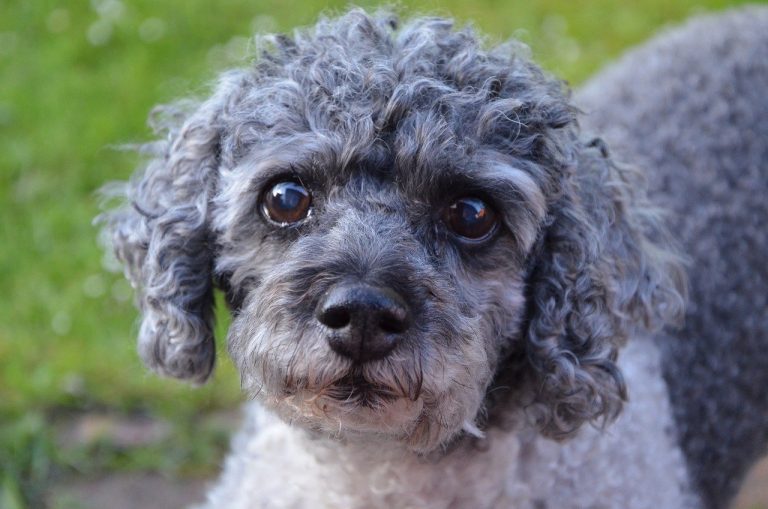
[{"x": 437, "y": 278}]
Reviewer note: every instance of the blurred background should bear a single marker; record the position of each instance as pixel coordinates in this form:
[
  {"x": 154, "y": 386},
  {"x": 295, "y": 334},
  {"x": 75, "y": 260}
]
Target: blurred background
[{"x": 82, "y": 423}]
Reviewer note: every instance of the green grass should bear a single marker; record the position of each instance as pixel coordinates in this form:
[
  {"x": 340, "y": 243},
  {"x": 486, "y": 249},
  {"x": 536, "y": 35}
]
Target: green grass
[{"x": 79, "y": 77}]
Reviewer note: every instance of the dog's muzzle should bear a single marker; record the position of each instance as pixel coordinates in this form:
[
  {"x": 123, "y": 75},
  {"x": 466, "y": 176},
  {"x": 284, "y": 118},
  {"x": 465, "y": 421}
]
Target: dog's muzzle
[{"x": 365, "y": 322}]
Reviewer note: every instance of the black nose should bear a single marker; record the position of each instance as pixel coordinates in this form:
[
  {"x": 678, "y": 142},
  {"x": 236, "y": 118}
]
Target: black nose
[{"x": 366, "y": 322}]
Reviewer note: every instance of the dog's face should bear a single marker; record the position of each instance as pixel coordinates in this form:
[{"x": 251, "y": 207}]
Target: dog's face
[
  {"x": 398, "y": 219},
  {"x": 375, "y": 295}
]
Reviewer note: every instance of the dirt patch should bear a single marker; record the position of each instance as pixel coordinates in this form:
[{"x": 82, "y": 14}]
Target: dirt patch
[{"x": 128, "y": 491}]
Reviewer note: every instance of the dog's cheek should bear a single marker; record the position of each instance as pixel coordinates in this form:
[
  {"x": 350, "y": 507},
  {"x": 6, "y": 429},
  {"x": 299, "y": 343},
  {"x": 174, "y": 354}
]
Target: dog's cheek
[
  {"x": 458, "y": 376},
  {"x": 504, "y": 312},
  {"x": 248, "y": 343},
  {"x": 495, "y": 301},
  {"x": 255, "y": 344}
]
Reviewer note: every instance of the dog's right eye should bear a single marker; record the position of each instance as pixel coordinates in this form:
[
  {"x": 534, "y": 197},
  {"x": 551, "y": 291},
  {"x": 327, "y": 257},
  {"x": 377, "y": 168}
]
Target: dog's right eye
[
  {"x": 471, "y": 218},
  {"x": 286, "y": 203}
]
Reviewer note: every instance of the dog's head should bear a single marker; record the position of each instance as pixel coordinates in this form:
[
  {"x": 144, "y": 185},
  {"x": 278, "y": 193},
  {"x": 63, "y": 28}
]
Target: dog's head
[{"x": 406, "y": 226}]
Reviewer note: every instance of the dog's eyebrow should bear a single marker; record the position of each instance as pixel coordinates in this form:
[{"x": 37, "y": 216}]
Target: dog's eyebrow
[
  {"x": 507, "y": 181},
  {"x": 304, "y": 158},
  {"x": 321, "y": 157},
  {"x": 511, "y": 183}
]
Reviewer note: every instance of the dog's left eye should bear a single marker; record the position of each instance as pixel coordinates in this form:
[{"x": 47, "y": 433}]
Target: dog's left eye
[
  {"x": 287, "y": 202},
  {"x": 471, "y": 218}
]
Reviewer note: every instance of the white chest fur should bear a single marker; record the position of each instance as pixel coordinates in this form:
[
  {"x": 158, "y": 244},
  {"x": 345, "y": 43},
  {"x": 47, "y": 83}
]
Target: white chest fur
[{"x": 633, "y": 464}]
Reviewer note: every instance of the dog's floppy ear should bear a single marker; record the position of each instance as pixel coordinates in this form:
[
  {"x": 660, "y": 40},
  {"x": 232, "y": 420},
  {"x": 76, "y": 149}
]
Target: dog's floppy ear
[
  {"x": 161, "y": 237},
  {"x": 602, "y": 267}
]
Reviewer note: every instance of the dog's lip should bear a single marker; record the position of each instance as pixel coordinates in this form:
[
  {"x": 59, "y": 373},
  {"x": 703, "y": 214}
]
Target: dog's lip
[
  {"x": 351, "y": 383},
  {"x": 356, "y": 387}
]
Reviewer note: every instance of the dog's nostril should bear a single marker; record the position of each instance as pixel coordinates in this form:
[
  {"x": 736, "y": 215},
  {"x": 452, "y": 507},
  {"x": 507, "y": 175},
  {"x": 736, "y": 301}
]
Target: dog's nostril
[
  {"x": 334, "y": 317},
  {"x": 394, "y": 321}
]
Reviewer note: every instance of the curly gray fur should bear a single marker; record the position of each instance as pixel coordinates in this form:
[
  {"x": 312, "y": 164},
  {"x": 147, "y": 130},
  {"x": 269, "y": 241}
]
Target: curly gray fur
[
  {"x": 385, "y": 124},
  {"x": 691, "y": 107}
]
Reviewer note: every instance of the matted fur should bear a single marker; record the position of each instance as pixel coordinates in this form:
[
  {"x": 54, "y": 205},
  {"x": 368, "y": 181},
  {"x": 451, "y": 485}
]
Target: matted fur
[{"x": 386, "y": 125}]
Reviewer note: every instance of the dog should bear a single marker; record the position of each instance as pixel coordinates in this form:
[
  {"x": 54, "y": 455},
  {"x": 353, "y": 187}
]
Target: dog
[{"x": 446, "y": 290}]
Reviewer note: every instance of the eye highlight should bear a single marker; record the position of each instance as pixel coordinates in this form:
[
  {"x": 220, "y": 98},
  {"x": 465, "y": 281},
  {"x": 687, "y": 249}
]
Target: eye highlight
[
  {"x": 471, "y": 218},
  {"x": 286, "y": 202}
]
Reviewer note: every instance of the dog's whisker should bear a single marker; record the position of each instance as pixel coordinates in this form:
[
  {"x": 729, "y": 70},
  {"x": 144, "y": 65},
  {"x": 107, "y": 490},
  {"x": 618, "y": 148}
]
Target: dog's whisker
[{"x": 419, "y": 377}]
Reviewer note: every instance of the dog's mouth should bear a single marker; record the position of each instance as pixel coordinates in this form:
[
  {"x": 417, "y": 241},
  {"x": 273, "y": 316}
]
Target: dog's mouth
[
  {"x": 330, "y": 393},
  {"x": 354, "y": 402},
  {"x": 356, "y": 390},
  {"x": 359, "y": 388}
]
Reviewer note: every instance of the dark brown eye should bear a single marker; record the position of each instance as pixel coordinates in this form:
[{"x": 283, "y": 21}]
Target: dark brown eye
[
  {"x": 287, "y": 202},
  {"x": 471, "y": 218}
]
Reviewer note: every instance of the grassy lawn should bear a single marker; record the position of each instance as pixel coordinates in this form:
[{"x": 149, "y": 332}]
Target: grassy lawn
[{"x": 78, "y": 78}]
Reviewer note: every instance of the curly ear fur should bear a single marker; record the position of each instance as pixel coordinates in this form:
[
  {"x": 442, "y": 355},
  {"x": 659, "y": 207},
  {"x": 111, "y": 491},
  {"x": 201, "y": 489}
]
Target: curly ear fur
[
  {"x": 161, "y": 237},
  {"x": 602, "y": 265}
]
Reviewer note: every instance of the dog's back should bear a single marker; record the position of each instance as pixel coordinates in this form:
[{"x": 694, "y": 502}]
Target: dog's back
[{"x": 691, "y": 107}]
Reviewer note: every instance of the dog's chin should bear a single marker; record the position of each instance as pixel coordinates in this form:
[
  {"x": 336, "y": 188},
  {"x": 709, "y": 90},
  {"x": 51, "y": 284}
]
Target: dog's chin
[{"x": 369, "y": 415}]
